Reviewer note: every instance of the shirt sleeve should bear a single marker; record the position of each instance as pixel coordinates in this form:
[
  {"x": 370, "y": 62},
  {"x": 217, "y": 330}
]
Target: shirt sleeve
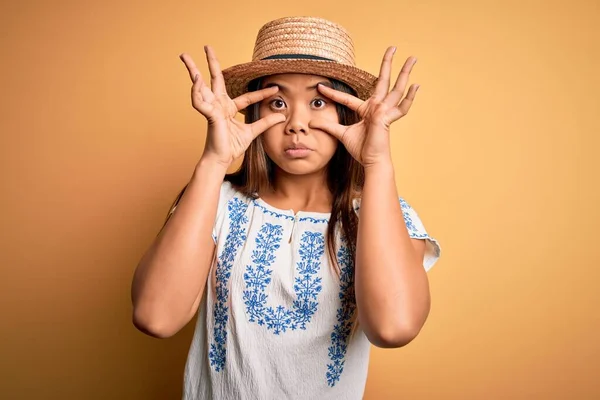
[
  {"x": 225, "y": 194},
  {"x": 416, "y": 230}
]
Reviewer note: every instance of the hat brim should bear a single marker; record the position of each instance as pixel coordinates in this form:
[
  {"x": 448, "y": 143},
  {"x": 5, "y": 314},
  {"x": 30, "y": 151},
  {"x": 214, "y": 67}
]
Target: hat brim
[{"x": 239, "y": 76}]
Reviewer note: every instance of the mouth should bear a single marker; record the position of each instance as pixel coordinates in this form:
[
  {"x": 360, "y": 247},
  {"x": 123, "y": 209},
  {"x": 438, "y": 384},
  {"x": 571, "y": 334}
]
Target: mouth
[
  {"x": 298, "y": 146},
  {"x": 298, "y": 151}
]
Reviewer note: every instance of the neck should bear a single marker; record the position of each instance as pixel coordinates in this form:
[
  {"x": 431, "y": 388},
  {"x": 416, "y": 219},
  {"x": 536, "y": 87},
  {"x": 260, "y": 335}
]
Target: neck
[{"x": 308, "y": 192}]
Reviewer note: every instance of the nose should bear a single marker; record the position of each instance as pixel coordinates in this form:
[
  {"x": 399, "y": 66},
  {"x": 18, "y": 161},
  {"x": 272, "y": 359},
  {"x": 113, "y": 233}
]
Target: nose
[{"x": 297, "y": 122}]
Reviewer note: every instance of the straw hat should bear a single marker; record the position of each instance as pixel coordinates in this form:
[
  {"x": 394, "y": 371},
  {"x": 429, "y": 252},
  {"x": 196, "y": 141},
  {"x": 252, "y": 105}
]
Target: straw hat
[{"x": 306, "y": 45}]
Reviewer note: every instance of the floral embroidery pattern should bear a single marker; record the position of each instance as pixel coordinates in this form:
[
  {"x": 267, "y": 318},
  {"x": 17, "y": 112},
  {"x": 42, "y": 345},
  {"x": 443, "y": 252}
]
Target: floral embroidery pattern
[
  {"x": 289, "y": 217},
  {"x": 314, "y": 220},
  {"x": 257, "y": 279},
  {"x": 235, "y": 238},
  {"x": 307, "y": 286},
  {"x": 412, "y": 229},
  {"x": 341, "y": 330},
  {"x": 272, "y": 213}
]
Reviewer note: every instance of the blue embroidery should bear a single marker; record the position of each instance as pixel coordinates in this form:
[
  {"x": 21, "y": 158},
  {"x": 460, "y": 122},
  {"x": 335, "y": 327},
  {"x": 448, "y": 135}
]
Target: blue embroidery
[
  {"x": 278, "y": 320},
  {"x": 235, "y": 238},
  {"x": 412, "y": 229},
  {"x": 307, "y": 286},
  {"x": 257, "y": 279},
  {"x": 314, "y": 220},
  {"x": 341, "y": 330},
  {"x": 289, "y": 217},
  {"x": 272, "y": 213}
]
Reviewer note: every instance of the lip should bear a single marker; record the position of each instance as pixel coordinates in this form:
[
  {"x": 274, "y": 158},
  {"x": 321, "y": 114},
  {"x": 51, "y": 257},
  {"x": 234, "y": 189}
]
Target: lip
[
  {"x": 298, "y": 146},
  {"x": 298, "y": 151}
]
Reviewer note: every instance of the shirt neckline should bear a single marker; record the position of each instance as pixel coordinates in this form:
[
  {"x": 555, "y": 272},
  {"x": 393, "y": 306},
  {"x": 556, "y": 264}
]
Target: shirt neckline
[{"x": 290, "y": 212}]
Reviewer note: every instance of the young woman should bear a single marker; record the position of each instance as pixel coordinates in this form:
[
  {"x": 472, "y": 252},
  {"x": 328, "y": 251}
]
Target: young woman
[{"x": 305, "y": 256}]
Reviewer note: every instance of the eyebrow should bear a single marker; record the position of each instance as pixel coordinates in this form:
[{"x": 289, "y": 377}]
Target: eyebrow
[{"x": 283, "y": 88}]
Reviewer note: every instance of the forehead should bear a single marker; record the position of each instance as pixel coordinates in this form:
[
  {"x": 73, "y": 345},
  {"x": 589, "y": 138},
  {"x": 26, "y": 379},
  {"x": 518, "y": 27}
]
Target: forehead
[{"x": 294, "y": 80}]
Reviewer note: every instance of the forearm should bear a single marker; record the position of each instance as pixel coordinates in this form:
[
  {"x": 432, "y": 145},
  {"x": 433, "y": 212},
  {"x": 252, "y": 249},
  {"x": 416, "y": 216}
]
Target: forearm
[
  {"x": 172, "y": 274},
  {"x": 392, "y": 289}
]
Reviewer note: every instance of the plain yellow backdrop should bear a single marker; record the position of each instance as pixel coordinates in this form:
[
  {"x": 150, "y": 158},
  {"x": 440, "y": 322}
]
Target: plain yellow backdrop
[{"x": 499, "y": 155}]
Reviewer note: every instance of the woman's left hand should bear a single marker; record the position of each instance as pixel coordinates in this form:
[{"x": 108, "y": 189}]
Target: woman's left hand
[{"x": 368, "y": 141}]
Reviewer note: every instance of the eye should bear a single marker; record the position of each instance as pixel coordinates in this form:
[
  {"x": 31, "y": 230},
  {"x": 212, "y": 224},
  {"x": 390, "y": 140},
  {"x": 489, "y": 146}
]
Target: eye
[
  {"x": 277, "y": 104},
  {"x": 319, "y": 103}
]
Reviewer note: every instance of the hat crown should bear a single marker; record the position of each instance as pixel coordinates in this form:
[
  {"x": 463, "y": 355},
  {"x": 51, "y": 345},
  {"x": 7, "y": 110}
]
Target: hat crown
[{"x": 304, "y": 36}]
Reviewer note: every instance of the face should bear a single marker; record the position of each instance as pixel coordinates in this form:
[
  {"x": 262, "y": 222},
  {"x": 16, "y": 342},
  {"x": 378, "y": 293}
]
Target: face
[{"x": 292, "y": 145}]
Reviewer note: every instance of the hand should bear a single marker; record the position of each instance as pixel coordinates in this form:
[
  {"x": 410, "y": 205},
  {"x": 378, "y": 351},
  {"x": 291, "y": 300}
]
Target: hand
[
  {"x": 227, "y": 138},
  {"x": 368, "y": 140}
]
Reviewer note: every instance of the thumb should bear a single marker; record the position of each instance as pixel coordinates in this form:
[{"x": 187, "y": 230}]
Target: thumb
[
  {"x": 265, "y": 123},
  {"x": 333, "y": 128}
]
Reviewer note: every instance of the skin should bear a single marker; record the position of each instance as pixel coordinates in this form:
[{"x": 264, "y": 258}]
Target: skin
[
  {"x": 392, "y": 290},
  {"x": 299, "y": 182},
  {"x": 391, "y": 285}
]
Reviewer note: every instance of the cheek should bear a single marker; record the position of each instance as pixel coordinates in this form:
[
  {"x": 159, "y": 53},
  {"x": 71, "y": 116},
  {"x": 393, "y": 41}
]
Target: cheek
[
  {"x": 330, "y": 113},
  {"x": 327, "y": 143},
  {"x": 272, "y": 139}
]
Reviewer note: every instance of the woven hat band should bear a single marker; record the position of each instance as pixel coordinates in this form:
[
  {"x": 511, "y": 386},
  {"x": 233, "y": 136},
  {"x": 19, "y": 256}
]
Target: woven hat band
[{"x": 296, "y": 56}]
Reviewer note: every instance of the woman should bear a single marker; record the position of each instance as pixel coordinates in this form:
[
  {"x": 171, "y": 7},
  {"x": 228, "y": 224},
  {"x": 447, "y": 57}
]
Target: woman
[{"x": 306, "y": 253}]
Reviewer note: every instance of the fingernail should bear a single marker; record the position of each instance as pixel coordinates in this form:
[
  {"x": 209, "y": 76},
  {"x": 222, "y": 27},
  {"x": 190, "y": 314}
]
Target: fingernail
[
  {"x": 394, "y": 52},
  {"x": 417, "y": 88}
]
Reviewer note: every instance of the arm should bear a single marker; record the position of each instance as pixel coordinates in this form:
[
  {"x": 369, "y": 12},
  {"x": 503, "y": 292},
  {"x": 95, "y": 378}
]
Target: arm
[
  {"x": 169, "y": 280},
  {"x": 391, "y": 285},
  {"x": 392, "y": 289}
]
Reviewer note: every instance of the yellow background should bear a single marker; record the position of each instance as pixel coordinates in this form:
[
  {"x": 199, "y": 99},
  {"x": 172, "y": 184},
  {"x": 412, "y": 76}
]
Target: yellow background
[{"x": 499, "y": 156}]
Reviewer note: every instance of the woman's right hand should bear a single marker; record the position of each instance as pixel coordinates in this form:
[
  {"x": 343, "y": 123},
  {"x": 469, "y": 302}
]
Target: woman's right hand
[{"x": 227, "y": 138}]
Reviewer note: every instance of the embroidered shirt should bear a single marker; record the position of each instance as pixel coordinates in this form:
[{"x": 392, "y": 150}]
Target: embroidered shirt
[{"x": 275, "y": 318}]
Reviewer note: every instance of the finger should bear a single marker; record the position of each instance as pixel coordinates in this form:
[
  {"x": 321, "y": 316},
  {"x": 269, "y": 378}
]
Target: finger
[
  {"x": 217, "y": 82},
  {"x": 265, "y": 123},
  {"x": 342, "y": 98},
  {"x": 200, "y": 92},
  {"x": 383, "y": 82},
  {"x": 402, "y": 109},
  {"x": 398, "y": 91},
  {"x": 206, "y": 93},
  {"x": 196, "y": 87},
  {"x": 333, "y": 128},
  {"x": 190, "y": 65},
  {"x": 246, "y": 99},
  {"x": 199, "y": 85}
]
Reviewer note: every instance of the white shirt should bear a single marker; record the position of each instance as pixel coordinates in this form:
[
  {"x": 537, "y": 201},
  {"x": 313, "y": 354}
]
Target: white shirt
[{"x": 275, "y": 316}]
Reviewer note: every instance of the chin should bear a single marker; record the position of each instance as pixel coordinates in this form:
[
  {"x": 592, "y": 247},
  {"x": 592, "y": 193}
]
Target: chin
[{"x": 300, "y": 167}]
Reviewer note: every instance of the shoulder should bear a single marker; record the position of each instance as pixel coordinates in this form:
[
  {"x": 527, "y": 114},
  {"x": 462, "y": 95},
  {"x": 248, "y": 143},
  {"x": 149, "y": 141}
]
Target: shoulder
[
  {"x": 233, "y": 198},
  {"x": 230, "y": 190}
]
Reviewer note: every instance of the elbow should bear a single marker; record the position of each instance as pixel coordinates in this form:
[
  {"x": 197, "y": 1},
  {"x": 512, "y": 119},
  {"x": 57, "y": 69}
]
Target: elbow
[
  {"x": 394, "y": 337},
  {"x": 153, "y": 326}
]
